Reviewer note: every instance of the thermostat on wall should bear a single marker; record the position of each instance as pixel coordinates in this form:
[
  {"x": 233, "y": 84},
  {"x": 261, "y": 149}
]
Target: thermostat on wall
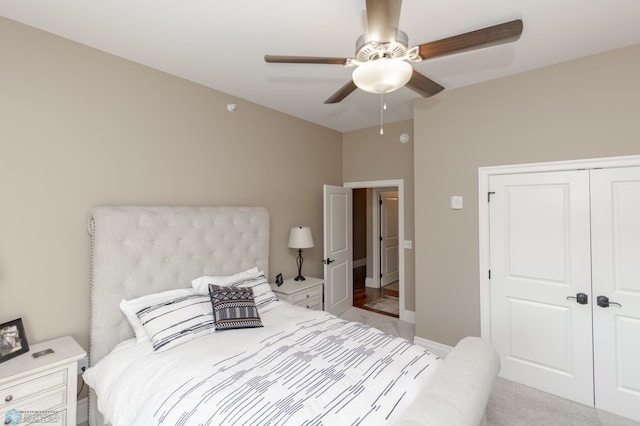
[{"x": 456, "y": 202}]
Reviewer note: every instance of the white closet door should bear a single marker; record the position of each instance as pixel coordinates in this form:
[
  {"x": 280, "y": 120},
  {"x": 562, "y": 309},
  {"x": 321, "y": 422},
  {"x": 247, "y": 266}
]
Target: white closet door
[
  {"x": 615, "y": 213},
  {"x": 539, "y": 251}
]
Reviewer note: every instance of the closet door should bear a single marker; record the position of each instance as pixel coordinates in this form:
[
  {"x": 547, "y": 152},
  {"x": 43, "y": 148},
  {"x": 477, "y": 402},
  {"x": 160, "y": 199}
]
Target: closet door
[
  {"x": 540, "y": 256},
  {"x": 615, "y": 209}
]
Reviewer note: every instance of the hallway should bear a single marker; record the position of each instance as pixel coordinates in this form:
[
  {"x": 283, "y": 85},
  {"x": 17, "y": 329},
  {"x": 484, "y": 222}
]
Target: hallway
[{"x": 363, "y": 294}]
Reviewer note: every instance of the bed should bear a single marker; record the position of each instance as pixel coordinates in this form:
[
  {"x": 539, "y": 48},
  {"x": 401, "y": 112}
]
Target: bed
[{"x": 256, "y": 360}]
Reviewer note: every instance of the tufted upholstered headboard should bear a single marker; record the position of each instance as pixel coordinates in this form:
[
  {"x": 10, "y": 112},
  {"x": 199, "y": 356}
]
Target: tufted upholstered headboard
[{"x": 144, "y": 250}]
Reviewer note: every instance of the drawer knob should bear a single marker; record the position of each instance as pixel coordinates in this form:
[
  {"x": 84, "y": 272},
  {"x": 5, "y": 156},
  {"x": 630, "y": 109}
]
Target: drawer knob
[
  {"x": 307, "y": 306},
  {"x": 307, "y": 296},
  {"x": 8, "y": 398}
]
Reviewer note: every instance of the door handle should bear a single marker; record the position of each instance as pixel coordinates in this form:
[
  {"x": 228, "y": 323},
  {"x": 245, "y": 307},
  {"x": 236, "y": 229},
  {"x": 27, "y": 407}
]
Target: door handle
[
  {"x": 581, "y": 298},
  {"x": 328, "y": 261},
  {"x": 603, "y": 302}
]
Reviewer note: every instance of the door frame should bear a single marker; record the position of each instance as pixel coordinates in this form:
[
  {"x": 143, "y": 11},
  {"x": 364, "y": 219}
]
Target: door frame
[
  {"x": 484, "y": 173},
  {"x": 408, "y": 316}
]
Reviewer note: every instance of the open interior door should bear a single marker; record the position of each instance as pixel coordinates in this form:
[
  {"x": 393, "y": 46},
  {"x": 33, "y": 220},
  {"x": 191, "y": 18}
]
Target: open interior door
[
  {"x": 389, "y": 239},
  {"x": 338, "y": 269}
]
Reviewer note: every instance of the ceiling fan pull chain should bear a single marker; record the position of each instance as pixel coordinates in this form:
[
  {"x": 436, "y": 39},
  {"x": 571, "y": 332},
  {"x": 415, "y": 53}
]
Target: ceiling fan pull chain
[{"x": 383, "y": 106}]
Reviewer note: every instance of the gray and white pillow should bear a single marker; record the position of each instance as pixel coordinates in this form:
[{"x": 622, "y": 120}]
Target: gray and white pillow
[
  {"x": 131, "y": 307},
  {"x": 174, "y": 322},
  {"x": 263, "y": 296},
  {"x": 233, "y": 307}
]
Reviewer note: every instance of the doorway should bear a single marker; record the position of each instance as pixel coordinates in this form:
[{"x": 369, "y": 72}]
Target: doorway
[
  {"x": 378, "y": 293},
  {"x": 377, "y": 261}
]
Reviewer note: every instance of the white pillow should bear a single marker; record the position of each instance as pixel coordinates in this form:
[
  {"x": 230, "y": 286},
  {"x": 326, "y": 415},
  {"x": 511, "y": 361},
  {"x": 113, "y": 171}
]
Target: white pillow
[
  {"x": 201, "y": 285},
  {"x": 252, "y": 278},
  {"x": 131, "y": 307}
]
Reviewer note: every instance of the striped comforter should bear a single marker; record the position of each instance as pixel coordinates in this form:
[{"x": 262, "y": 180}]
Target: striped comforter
[{"x": 303, "y": 368}]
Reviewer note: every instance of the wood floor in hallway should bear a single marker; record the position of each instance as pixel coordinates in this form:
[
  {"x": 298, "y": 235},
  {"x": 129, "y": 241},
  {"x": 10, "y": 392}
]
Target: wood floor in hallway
[{"x": 363, "y": 294}]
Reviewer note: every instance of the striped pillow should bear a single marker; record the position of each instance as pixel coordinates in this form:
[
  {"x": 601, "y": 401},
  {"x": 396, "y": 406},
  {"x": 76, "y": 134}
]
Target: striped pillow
[
  {"x": 131, "y": 307},
  {"x": 177, "y": 321},
  {"x": 233, "y": 307},
  {"x": 262, "y": 293}
]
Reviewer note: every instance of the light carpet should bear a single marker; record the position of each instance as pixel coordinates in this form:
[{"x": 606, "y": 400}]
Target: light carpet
[{"x": 511, "y": 404}]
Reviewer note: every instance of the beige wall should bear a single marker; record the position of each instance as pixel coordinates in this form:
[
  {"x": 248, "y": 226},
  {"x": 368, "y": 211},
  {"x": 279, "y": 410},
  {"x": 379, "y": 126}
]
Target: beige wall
[
  {"x": 369, "y": 156},
  {"x": 80, "y": 128},
  {"x": 587, "y": 108}
]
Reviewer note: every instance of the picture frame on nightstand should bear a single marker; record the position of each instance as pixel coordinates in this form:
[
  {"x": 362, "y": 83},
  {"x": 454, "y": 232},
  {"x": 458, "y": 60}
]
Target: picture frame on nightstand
[{"x": 13, "y": 340}]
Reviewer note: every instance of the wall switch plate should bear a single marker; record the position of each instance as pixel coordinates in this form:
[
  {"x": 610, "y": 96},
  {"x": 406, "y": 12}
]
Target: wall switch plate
[
  {"x": 83, "y": 364},
  {"x": 408, "y": 244},
  {"x": 456, "y": 202}
]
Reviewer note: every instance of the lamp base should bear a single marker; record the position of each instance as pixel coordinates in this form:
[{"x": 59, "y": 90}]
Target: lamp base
[{"x": 299, "y": 263}]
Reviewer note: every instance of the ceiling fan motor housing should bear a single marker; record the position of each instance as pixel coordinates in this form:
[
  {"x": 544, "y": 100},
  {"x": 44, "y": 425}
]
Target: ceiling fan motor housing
[{"x": 370, "y": 50}]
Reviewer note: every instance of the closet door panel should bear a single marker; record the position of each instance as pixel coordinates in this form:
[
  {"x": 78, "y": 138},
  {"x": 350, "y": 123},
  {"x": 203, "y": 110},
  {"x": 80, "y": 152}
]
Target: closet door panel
[
  {"x": 615, "y": 209},
  {"x": 540, "y": 256}
]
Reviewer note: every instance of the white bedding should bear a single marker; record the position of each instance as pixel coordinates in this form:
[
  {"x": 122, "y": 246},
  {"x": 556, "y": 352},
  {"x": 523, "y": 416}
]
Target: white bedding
[{"x": 302, "y": 368}]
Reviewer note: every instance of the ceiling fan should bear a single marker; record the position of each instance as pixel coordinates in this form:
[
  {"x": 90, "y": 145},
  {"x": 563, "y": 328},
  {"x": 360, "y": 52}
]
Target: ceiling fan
[{"x": 383, "y": 53}]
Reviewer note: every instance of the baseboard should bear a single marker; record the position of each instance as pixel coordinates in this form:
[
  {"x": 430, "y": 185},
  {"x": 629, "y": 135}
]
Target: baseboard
[
  {"x": 368, "y": 282},
  {"x": 360, "y": 262},
  {"x": 408, "y": 316},
  {"x": 437, "y": 348},
  {"x": 82, "y": 411}
]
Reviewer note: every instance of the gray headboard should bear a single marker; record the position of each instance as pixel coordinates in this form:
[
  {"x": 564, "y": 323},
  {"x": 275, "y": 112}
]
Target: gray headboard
[{"x": 144, "y": 250}]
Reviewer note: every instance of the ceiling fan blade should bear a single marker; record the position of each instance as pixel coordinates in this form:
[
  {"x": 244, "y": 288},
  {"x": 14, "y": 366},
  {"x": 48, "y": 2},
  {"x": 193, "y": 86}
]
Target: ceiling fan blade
[
  {"x": 485, "y": 37},
  {"x": 304, "y": 60},
  {"x": 423, "y": 86},
  {"x": 383, "y": 17},
  {"x": 342, "y": 93}
]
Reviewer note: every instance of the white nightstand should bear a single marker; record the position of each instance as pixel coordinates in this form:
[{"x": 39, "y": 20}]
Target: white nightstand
[
  {"x": 308, "y": 293},
  {"x": 42, "y": 386}
]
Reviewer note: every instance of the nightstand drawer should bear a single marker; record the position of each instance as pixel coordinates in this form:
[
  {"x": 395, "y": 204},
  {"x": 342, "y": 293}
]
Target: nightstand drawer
[
  {"x": 299, "y": 298},
  {"x": 12, "y": 395},
  {"x": 45, "y": 401},
  {"x": 314, "y": 303},
  {"x": 306, "y": 294}
]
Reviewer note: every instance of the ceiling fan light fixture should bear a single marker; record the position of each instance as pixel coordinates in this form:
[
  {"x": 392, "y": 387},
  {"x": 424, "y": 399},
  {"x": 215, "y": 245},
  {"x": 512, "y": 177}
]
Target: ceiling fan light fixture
[{"x": 382, "y": 75}]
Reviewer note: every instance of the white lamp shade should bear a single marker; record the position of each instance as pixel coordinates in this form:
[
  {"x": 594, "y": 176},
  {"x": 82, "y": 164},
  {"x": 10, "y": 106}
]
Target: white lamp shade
[
  {"x": 382, "y": 75},
  {"x": 300, "y": 237}
]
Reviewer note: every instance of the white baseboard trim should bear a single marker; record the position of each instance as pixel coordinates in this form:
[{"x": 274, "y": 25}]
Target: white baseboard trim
[
  {"x": 368, "y": 282},
  {"x": 408, "y": 316},
  {"x": 437, "y": 348},
  {"x": 360, "y": 262},
  {"x": 82, "y": 411}
]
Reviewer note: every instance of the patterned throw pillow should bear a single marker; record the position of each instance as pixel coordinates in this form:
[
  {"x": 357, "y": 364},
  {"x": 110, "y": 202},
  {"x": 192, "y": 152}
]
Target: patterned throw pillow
[{"x": 233, "y": 307}]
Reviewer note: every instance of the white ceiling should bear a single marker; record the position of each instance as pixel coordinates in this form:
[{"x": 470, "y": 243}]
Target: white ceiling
[{"x": 221, "y": 43}]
